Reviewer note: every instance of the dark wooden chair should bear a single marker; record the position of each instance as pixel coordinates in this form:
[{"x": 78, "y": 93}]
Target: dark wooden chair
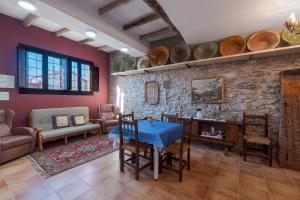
[
  {"x": 169, "y": 118},
  {"x": 177, "y": 150},
  {"x": 253, "y": 138},
  {"x": 128, "y": 126}
]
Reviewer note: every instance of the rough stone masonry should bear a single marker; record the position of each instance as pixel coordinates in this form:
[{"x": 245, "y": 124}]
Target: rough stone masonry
[{"x": 250, "y": 86}]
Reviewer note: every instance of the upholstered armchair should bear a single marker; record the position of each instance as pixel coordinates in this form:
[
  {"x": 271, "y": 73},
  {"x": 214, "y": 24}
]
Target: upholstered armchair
[
  {"x": 14, "y": 142},
  {"x": 108, "y": 114}
]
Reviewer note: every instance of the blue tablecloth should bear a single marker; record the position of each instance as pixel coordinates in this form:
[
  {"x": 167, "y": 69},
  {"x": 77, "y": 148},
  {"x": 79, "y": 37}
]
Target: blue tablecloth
[{"x": 157, "y": 133}]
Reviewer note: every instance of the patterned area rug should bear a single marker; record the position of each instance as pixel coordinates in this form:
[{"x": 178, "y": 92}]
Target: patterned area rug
[{"x": 57, "y": 159}]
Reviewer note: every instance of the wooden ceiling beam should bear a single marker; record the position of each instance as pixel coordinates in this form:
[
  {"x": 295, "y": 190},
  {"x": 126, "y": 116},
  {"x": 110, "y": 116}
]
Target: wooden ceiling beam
[
  {"x": 61, "y": 32},
  {"x": 30, "y": 19},
  {"x": 157, "y": 33},
  {"x": 154, "y": 5},
  {"x": 112, "y": 5},
  {"x": 141, "y": 21},
  {"x": 86, "y": 40}
]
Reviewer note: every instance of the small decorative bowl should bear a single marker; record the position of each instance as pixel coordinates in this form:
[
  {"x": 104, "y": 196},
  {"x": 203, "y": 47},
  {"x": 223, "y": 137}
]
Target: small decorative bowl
[
  {"x": 180, "y": 53},
  {"x": 263, "y": 40},
  {"x": 232, "y": 45},
  {"x": 159, "y": 56},
  {"x": 206, "y": 50}
]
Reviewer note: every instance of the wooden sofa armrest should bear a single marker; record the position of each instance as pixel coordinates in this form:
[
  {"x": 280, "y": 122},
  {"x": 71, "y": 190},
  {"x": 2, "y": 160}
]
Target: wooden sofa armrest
[
  {"x": 38, "y": 129},
  {"x": 96, "y": 120}
]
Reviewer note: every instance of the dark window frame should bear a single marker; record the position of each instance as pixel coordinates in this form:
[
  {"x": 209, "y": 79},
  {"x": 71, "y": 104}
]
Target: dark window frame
[{"x": 69, "y": 59}]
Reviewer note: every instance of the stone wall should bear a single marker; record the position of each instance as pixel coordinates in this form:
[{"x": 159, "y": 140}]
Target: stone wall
[{"x": 252, "y": 86}]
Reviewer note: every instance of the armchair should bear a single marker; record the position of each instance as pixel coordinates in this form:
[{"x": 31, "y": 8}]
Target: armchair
[
  {"x": 108, "y": 114},
  {"x": 14, "y": 142}
]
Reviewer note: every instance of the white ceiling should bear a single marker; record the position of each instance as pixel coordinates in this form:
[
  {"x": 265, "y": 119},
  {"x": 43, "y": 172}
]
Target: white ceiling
[
  {"x": 209, "y": 20},
  {"x": 197, "y": 20}
]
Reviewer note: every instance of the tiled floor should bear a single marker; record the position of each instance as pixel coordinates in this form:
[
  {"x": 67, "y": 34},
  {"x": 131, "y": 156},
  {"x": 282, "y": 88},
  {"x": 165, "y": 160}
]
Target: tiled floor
[{"x": 213, "y": 176}]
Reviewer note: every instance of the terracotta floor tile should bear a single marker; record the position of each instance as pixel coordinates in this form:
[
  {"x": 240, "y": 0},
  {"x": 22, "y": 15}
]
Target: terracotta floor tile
[
  {"x": 225, "y": 184},
  {"x": 2, "y": 183},
  {"x": 5, "y": 194},
  {"x": 250, "y": 170},
  {"x": 252, "y": 182},
  {"x": 143, "y": 186},
  {"x": 94, "y": 194},
  {"x": 59, "y": 181},
  {"x": 248, "y": 193},
  {"x": 73, "y": 190},
  {"x": 129, "y": 193},
  {"x": 224, "y": 173},
  {"x": 220, "y": 195},
  {"x": 162, "y": 192},
  {"x": 52, "y": 197},
  {"x": 279, "y": 197},
  {"x": 207, "y": 169},
  {"x": 193, "y": 187},
  {"x": 275, "y": 174},
  {"x": 285, "y": 190}
]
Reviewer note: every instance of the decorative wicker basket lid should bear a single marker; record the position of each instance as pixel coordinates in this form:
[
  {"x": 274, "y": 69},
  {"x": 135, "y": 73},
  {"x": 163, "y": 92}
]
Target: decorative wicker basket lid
[
  {"x": 159, "y": 56},
  {"x": 263, "y": 40},
  {"x": 129, "y": 63},
  {"x": 232, "y": 45},
  {"x": 180, "y": 53},
  {"x": 143, "y": 62},
  {"x": 207, "y": 50},
  {"x": 117, "y": 65}
]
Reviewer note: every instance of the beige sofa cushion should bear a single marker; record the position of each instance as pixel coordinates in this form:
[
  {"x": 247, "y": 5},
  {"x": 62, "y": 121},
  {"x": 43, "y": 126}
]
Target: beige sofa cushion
[{"x": 67, "y": 131}]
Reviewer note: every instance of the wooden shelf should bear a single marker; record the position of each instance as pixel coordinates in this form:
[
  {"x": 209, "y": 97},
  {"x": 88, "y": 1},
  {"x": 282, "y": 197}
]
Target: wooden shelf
[{"x": 224, "y": 59}]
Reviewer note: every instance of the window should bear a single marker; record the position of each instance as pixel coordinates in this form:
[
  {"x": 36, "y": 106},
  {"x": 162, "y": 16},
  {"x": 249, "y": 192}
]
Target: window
[
  {"x": 85, "y": 77},
  {"x": 41, "y": 71},
  {"x": 57, "y": 73},
  {"x": 74, "y": 76},
  {"x": 33, "y": 70}
]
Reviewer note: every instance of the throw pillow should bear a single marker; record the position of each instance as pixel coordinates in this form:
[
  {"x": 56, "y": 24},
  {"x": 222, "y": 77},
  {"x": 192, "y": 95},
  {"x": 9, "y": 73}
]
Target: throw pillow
[
  {"x": 60, "y": 121},
  {"x": 78, "y": 120}
]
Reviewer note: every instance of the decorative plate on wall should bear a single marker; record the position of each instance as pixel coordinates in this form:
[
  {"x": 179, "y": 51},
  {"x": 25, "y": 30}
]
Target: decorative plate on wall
[
  {"x": 207, "y": 50},
  {"x": 232, "y": 45},
  {"x": 180, "y": 53},
  {"x": 152, "y": 92},
  {"x": 263, "y": 40}
]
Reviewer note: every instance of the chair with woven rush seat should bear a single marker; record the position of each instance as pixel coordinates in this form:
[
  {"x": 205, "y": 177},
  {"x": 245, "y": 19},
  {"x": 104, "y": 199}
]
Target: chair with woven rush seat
[
  {"x": 252, "y": 136},
  {"x": 177, "y": 150},
  {"x": 169, "y": 118},
  {"x": 128, "y": 128}
]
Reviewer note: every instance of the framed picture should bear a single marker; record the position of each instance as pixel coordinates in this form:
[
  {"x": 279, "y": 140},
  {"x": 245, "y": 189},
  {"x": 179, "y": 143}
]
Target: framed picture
[{"x": 207, "y": 90}]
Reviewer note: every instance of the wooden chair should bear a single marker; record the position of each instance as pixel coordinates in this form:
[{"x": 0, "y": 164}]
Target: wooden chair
[
  {"x": 177, "y": 150},
  {"x": 128, "y": 126},
  {"x": 252, "y": 137},
  {"x": 169, "y": 118}
]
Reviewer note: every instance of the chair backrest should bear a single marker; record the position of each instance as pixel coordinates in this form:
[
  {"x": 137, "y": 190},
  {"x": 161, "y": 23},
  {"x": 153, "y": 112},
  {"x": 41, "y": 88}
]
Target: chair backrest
[
  {"x": 255, "y": 121},
  {"x": 169, "y": 118},
  {"x": 128, "y": 128},
  {"x": 108, "y": 111},
  {"x": 187, "y": 124},
  {"x": 6, "y": 120},
  {"x": 127, "y": 117}
]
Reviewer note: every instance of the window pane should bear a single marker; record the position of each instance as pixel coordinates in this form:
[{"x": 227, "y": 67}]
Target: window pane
[
  {"x": 85, "y": 78},
  {"x": 33, "y": 76},
  {"x": 74, "y": 77},
  {"x": 57, "y": 73}
]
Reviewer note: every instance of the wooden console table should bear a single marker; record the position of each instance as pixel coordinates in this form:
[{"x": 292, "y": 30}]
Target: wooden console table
[{"x": 229, "y": 129}]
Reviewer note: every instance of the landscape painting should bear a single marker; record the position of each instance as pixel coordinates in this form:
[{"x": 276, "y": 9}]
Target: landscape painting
[{"x": 207, "y": 90}]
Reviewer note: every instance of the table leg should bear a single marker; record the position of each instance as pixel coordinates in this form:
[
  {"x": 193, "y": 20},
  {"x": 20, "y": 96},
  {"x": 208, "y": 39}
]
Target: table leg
[{"x": 156, "y": 162}]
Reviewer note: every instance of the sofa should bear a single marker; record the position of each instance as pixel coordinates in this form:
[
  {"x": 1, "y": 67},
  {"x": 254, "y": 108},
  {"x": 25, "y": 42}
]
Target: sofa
[
  {"x": 108, "y": 114},
  {"x": 14, "y": 142},
  {"x": 42, "y": 121}
]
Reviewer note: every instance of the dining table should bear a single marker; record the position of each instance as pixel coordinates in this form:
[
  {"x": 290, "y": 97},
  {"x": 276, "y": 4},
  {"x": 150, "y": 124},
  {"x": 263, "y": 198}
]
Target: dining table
[{"x": 158, "y": 133}]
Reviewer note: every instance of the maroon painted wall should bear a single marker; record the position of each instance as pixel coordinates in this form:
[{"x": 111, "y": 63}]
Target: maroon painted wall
[{"x": 11, "y": 34}]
